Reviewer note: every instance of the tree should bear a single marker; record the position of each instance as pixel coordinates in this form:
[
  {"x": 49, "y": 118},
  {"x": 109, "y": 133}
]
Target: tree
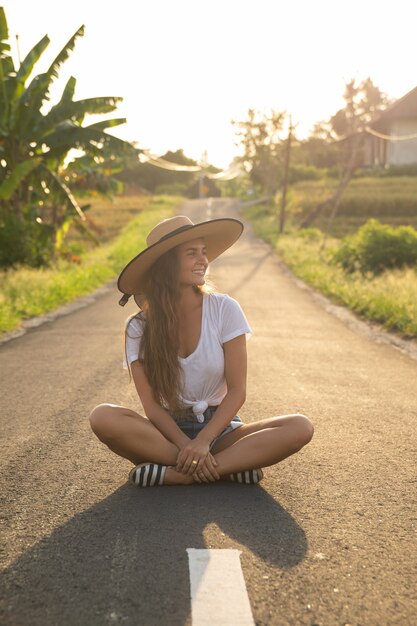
[
  {"x": 363, "y": 101},
  {"x": 150, "y": 177},
  {"x": 318, "y": 150},
  {"x": 259, "y": 136},
  {"x": 36, "y": 203}
]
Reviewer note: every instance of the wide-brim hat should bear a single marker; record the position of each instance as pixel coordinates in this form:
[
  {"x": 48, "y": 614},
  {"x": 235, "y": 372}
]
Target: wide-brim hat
[{"x": 218, "y": 234}]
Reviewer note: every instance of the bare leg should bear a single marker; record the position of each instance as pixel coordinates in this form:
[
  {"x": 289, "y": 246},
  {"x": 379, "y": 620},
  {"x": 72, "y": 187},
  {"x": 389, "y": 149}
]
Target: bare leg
[
  {"x": 263, "y": 443},
  {"x": 135, "y": 438},
  {"x": 260, "y": 444},
  {"x": 131, "y": 435}
]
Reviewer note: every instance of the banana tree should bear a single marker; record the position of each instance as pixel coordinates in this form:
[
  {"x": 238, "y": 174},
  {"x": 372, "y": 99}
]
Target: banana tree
[{"x": 34, "y": 143}]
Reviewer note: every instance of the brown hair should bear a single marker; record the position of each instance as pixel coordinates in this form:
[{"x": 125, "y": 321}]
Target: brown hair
[{"x": 159, "y": 344}]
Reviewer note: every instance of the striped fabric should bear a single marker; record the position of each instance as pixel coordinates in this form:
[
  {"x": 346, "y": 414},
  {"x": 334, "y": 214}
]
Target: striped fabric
[
  {"x": 249, "y": 477},
  {"x": 147, "y": 475}
]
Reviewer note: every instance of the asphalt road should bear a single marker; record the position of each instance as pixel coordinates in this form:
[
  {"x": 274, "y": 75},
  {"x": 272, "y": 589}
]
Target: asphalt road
[{"x": 328, "y": 538}]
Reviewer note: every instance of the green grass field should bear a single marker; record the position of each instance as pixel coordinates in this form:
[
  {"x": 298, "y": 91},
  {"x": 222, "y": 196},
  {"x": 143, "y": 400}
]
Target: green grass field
[
  {"x": 28, "y": 292},
  {"x": 106, "y": 218},
  {"x": 390, "y": 299},
  {"x": 121, "y": 226},
  {"x": 391, "y": 200}
]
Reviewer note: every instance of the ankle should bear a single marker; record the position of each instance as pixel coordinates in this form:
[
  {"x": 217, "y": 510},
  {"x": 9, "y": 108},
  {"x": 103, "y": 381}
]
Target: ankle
[{"x": 172, "y": 477}]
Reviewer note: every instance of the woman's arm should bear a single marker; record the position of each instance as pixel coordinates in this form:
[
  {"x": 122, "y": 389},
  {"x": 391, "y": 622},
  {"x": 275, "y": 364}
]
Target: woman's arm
[
  {"x": 159, "y": 417},
  {"x": 235, "y": 373}
]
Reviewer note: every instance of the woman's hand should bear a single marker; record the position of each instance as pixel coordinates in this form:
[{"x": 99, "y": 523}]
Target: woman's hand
[
  {"x": 208, "y": 472},
  {"x": 203, "y": 469}
]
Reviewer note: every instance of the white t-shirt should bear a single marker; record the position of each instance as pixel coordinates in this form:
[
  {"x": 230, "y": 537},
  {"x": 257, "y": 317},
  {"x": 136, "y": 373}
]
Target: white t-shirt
[{"x": 204, "y": 382}]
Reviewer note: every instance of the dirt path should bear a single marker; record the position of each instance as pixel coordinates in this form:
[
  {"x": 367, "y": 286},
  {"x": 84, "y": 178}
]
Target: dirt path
[{"x": 327, "y": 537}]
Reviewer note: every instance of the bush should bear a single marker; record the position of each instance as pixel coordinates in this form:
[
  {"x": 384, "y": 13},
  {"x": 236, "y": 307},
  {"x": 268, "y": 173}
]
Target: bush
[
  {"x": 377, "y": 247},
  {"x": 23, "y": 243},
  {"x": 300, "y": 172},
  {"x": 312, "y": 234},
  {"x": 409, "y": 169}
]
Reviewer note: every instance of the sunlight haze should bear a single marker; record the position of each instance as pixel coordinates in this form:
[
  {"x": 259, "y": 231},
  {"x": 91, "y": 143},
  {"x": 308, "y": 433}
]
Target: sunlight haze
[{"x": 186, "y": 68}]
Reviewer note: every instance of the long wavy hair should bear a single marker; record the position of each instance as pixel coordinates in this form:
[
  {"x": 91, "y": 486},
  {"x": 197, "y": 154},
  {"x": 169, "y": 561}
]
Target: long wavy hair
[{"x": 159, "y": 345}]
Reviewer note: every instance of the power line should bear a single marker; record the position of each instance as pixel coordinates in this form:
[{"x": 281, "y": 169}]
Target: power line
[
  {"x": 169, "y": 165},
  {"x": 229, "y": 174},
  {"x": 375, "y": 133},
  {"x": 147, "y": 157}
]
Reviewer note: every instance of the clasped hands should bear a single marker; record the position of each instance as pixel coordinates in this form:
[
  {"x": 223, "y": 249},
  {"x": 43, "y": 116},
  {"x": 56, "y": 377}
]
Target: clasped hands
[{"x": 195, "y": 459}]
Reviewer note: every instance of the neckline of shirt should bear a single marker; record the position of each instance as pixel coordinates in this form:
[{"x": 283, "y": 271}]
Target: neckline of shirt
[{"x": 200, "y": 339}]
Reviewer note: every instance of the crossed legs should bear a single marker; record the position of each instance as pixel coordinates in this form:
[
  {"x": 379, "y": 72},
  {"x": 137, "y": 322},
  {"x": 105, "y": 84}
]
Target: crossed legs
[{"x": 250, "y": 446}]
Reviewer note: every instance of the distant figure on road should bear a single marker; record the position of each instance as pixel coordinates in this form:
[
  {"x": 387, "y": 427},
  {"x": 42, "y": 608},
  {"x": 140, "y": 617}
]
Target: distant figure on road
[{"x": 186, "y": 351}]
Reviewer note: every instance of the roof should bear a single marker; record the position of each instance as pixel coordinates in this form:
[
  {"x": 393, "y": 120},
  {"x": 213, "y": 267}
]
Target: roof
[{"x": 404, "y": 108}]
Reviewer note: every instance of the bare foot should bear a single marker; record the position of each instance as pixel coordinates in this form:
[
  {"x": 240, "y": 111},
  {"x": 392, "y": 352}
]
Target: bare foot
[{"x": 172, "y": 477}]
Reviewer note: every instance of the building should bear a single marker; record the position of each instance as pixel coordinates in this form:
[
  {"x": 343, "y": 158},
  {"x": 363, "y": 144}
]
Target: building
[{"x": 391, "y": 139}]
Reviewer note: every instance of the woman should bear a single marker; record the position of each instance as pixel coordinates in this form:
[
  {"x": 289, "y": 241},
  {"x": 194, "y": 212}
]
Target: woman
[{"x": 186, "y": 350}]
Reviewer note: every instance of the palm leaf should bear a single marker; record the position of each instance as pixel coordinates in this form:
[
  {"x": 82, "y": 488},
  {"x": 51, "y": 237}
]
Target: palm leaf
[
  {"x": 6, "y": 67},
  {"x": 31, "y": 58},
  {"x": 69, "y": 90},
  {"x": 62, "y": 232},
  {"x": 64, "y": 54},
  {"x": 98, "y": 105},
  {"x": 3, "y": 97},
  {"x": 59, "y": 187},
  {"x": 38, "y": 91},
  {"x": 107, "y": 123},
  {"x": 17, "y": 176},
  {"x": 77, "y": 214},
  {"x": 86, "y": 138},
  {"x": 60, "y": 111},
  {"x": 67, "y": 110},
  {"x": 4, "y": 31},
  {"x": 27, "y": 112},
  {"x": 16, "y": 86},
  {"x": 4, "y": 47}
]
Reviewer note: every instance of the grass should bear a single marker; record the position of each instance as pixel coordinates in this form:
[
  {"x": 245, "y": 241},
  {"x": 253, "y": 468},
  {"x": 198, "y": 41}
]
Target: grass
[
  {"x": 391, "y": 200},
  {"x": 389, "y": 299},
  {"x": 106, "y": 218},
  {"x": 28, "y": 292}
]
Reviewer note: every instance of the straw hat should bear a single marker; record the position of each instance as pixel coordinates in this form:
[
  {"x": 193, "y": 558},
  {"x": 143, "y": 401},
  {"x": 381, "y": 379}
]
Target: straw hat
[{"x": 218, "y": 235}]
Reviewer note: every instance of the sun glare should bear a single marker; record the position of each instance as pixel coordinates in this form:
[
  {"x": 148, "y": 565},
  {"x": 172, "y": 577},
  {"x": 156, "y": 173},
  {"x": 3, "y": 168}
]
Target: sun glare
[{"x": 185, "y": 69}]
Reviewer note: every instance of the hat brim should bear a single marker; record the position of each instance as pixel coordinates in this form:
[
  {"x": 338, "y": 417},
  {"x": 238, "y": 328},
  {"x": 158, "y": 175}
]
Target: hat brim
[{"x": 218, "y": 236}]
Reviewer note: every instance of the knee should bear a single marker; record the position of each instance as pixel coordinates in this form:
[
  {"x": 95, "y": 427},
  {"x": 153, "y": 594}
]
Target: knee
[
  {"x": 102, "y": 421},
  {"x": 303, "y": 430}
]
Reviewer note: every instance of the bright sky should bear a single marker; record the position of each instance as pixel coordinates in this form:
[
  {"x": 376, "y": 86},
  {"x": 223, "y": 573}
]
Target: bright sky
[{"x": 186, "y": 68}]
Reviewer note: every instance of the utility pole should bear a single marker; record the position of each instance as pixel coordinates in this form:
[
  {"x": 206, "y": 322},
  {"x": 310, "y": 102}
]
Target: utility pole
[{"x": 285, "y": 179}]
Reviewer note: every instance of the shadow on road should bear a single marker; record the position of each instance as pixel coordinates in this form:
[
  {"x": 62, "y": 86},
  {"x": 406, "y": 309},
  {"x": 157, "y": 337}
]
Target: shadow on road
[{"x": 124, "y": 560}]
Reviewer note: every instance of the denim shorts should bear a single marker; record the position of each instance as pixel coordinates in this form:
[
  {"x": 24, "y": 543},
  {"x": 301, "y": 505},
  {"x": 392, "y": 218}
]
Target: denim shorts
[{"x": 191, "y": 427}]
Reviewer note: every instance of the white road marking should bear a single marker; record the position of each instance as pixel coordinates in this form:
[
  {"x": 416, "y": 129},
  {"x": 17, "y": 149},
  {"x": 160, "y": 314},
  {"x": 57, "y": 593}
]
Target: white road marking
[{"x": 218, "y": 590}]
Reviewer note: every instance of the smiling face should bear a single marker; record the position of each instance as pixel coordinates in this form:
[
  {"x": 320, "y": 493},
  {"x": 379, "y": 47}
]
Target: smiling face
[{"x": 193, "y": 263}]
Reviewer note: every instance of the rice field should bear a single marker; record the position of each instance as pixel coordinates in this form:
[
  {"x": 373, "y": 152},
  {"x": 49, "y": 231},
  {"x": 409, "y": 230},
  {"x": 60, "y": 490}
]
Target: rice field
[{"x": 391, "y": 200}]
